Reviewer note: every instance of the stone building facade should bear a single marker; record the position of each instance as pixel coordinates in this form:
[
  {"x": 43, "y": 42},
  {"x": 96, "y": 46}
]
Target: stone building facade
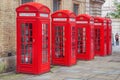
[
  {"x": 8, "y": 24},
  {"x": 96, "y": 7}
]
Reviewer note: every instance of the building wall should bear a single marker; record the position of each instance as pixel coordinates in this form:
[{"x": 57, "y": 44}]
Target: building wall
[
  {"x": 96, "y": 7},
  {"x": 82, "y": 6},
  {"x": 65, "y": 4},
  {"x": 7, "y": 34},
  {"x": 7, "y": 26}
]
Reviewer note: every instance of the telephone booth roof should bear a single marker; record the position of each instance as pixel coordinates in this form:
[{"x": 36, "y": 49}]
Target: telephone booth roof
[
  {"x": 97, "y": 19},
  {"x": 85, "y": 16},
  {"x": 33, "y": 6},
  {"x": 63, "y": 13},
  {"x": 108, "y": 20}
]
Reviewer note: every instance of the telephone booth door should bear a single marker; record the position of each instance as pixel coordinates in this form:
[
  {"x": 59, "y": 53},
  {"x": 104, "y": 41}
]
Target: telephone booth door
[
  {"x": 63, "y": 38},
  {"x": 26, "y": 42},
  {"x": 85, "y": 41},
  {"x": 32, "y": 39}
]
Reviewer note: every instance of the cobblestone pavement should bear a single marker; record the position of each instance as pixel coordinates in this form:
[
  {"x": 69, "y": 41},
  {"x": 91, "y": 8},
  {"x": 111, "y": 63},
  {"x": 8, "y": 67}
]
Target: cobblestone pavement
[{"x": 101, "y": 68}]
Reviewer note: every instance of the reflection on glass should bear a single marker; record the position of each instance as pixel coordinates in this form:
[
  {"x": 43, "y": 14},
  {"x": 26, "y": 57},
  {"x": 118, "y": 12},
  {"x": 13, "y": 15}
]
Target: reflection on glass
[
  {"x": 26, "y": 43},
  {"x": 30, "y": 26},
  {"x": 73, "y": 41},
  {"x": 44, "y": 43},
  {"x": 59, "y": 41},
  {"x": 81, "y": 43},
  {"x": 97, "y": 39}
]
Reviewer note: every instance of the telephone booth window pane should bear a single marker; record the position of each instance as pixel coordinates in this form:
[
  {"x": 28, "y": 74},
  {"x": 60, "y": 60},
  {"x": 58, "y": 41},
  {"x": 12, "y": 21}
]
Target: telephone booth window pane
[
  {"x": 26, "y": 43},
  {"x": 59, "y": 41},
  {"x": 81, "y": 44},
  {"x": 97, "y": 39},
  {"x": 44, "y": 43},
  {"x": 73, "y": 40}
]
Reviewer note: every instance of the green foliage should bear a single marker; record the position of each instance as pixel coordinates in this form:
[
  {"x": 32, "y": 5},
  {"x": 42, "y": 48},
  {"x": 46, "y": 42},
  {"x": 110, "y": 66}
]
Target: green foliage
[
  {"x": 116, "y": 13},
  {"x": 2, "y": 67}
]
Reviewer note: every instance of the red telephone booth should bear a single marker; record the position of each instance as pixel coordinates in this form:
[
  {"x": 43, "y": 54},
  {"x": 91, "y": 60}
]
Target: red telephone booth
[
  {"x": 33, "y": 38},
  {"x": 109, "y": 36},
  {"x": 63, "y": 38},
  {"x": 85, "y": 37},
  {"x": 100, "y": 36}
]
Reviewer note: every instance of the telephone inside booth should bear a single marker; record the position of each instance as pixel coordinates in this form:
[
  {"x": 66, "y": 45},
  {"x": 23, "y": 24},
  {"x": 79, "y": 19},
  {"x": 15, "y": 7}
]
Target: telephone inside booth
[
  {"x": 59, "y": 41},
  {"x": 81, "y": 40}
]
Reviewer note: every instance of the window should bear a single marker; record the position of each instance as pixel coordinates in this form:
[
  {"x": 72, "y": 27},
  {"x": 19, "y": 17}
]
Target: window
[
  {"x": 44, "y": 43},
  {"x": 97, "y": 39},
  {"x": 76, "y": 8},
  {"x": 81, "y": 43},
  {"x": 26, "y": 43},
  {"x": 25, "y": 1},
  {"x": 59, "y": 41},
  {"x": 56, "y": 5}
]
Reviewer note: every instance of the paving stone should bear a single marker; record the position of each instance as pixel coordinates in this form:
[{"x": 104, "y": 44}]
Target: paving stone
[
  {"x": 73, "y": 79},
  {"x": 118, "y": 78},
  {"x": 99, "y": 79}
]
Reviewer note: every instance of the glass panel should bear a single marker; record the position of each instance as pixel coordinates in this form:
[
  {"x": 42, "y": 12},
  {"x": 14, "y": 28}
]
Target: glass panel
[
  {"x": 26, "y": 43},
  {"x": 44, "y": 43},
  {"x": 97, "y": 39},
  {"x": 59, "y": 41},
  {"x": 73, "y": 41},
  {"x": 81, "y": 43}
]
